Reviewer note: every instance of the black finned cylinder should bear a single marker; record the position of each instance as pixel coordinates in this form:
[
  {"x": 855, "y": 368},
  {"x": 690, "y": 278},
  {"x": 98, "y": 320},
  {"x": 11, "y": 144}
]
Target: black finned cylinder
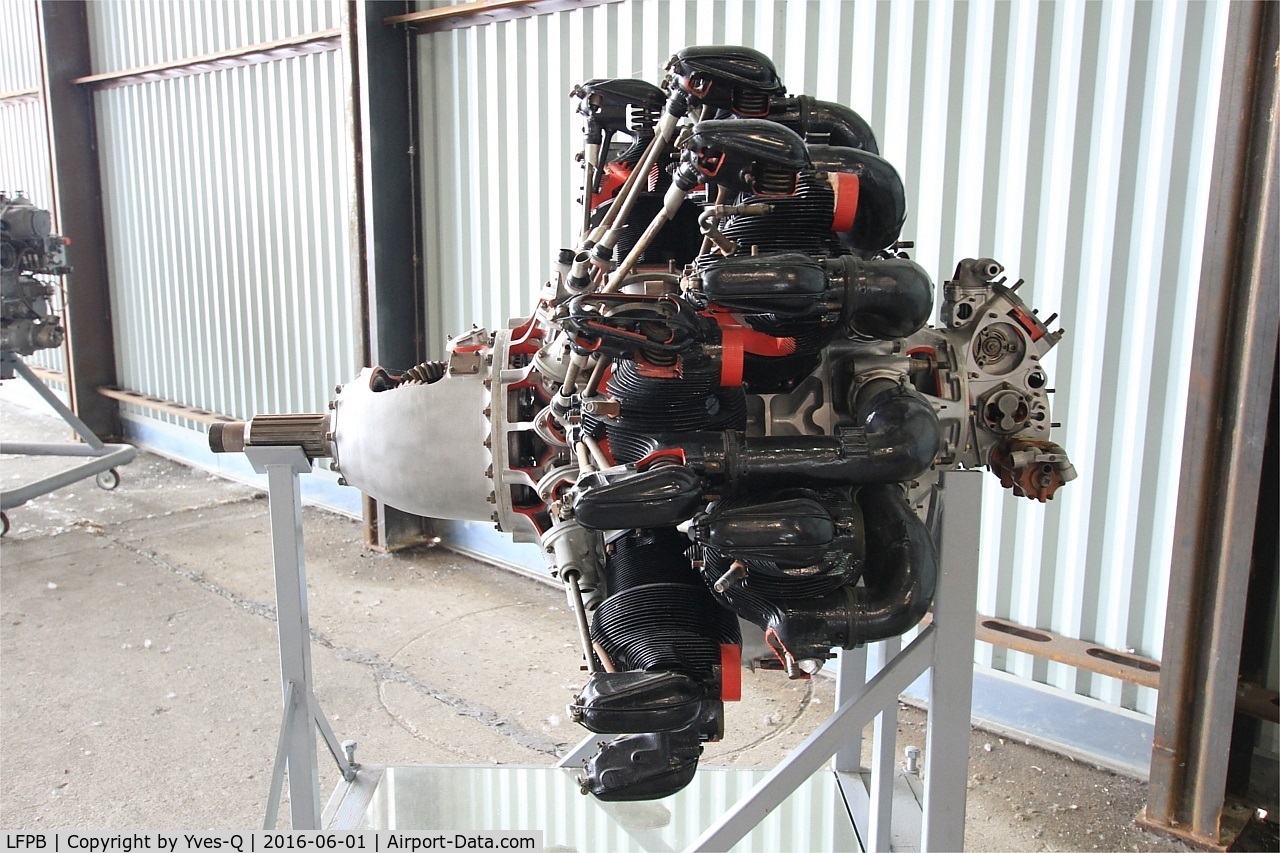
[
  {"x": 797, "y": 223},
  {"x": 651, "y": 406},
  {"x": 659, "y": 615},
  {"x": 678, "y": 242}
]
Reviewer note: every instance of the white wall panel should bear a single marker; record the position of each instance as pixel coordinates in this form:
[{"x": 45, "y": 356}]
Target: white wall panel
[
  {"x": 134, "y": 33},
  {"x": 19, "y": 46},
  {"x": 226, "y": 212},
  {"x": 24, "y": 140},
  {"x": 224, "y": 197},
  {"x": 1070, "y": 141}
]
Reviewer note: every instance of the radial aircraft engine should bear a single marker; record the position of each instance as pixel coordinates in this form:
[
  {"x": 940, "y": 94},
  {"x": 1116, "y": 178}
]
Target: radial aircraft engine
[{"x": 727, "y": 407}]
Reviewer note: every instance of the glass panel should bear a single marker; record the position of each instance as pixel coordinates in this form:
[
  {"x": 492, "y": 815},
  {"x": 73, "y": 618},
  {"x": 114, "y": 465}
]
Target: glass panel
[{"x": 466, "y": 799}]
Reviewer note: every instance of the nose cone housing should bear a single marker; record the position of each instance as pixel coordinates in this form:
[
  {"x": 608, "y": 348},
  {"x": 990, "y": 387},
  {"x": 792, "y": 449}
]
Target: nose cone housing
[{"x": 417, "y": 447}]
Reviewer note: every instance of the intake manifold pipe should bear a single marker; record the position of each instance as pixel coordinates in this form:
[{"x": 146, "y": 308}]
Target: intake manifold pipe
[
  {"x": 900, "y": 576},
  {"x": 897, "y": 439},
  {"x": 901, "y": 573},
  {"x": 883, "y": 298},
  {"x": 815, "y": 119}
]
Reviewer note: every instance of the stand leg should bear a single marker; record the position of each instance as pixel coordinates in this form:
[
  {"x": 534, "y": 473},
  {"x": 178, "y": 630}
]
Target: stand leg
[
  {"x": 883, "y": 758},
  {"x": 57, "y": 405},
  {"x": 277, "y": 769},
  {"x": 851, "y": 678},
  {"x": 951, "y": 694},
  {"x": 298, "y": 737},
  {"x": 809, "y": 756},
  {"x": 99, "y": 457}
]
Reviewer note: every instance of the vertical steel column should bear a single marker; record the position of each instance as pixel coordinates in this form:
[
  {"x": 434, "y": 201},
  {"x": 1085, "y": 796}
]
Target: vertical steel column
[
  {"x": 851, "y": 677},
  {"x": 381, "y": 113},
  {"x": 946, "y": 747},
  {"x": 77, "y": 193},
  {"x": 807, "y": 758},
  {"x": 1231, "y": 372},
  {"x": 883, "y": 758}
]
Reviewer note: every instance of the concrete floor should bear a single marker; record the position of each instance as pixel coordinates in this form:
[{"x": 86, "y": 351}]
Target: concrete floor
[{"x": 139, "y": 679}]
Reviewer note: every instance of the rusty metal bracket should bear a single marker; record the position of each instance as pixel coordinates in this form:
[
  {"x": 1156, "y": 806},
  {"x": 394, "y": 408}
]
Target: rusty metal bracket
[
  {"x": 1081, "y": 654},
  {"x": 160, "y": 404},
  {"x": 21, "y": 96}
]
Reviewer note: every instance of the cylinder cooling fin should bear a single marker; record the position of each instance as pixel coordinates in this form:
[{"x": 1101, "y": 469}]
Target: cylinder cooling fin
[{"x": 726, "y": 408}]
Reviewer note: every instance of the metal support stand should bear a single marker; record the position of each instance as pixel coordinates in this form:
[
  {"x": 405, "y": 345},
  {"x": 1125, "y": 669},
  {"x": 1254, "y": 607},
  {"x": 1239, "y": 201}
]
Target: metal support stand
[
  {"x": 102, "y": 458},
  {"x": 944, "y": 648},
  {"x": 296, "y": 749}
]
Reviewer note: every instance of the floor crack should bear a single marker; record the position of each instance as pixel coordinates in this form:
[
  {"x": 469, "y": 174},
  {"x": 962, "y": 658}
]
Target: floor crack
[
  {"x": 778, "y": 730},
  {"x": 382, "y": 669}
]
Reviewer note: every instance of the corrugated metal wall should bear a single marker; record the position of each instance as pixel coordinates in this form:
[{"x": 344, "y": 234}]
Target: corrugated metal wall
[
  {"x": 225, "y": 199},
  {"x": 24, "y": 140},
  {"x": 24, "y": 164},
  {"x": 1070, "y": 141},
  {"x": 128, "y": 34}
]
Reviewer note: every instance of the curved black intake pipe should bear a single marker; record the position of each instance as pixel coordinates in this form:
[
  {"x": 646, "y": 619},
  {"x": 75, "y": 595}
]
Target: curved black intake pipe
[
  {"x": 901, "y": 426},
  {"x": 897, "y": 441},
  {"x": 901, "y": 572},
  {"x": 899, "y": 579},
  {"x": 885, "y": 299},
  {"x": 882, "y": 200},
  {"x": 834, "y": 123}
]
